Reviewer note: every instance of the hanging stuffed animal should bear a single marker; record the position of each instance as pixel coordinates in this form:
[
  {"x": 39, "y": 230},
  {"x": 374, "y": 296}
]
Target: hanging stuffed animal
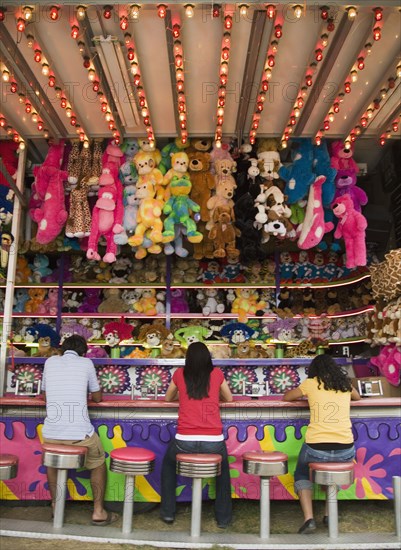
[
  {"x": 50, "y": 213},
  {"x": 351, "y": 227},
  {"x": 313, "y": 228},
  {"x": 107, "y": 215},
  {"x": 79, "y": 219}
]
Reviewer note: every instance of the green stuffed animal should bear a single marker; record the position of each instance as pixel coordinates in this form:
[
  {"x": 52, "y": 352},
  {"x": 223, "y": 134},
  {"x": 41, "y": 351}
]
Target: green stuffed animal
[{"x": 178, "y": 210}]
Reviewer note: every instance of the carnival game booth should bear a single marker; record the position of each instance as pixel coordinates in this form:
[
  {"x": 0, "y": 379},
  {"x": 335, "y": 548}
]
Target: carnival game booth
[{"x": 191, "y": 188}]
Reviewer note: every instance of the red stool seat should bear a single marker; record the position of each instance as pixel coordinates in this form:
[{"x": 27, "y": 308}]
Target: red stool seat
[
  {"x": 8, "y": 460},
  {"x": 261, "y": 456},
  {"x": 199, "y": 458},
  {"x": 64, "y": 449},
  {"x": 132, "y": 454},
  {"x": 332, "y": 466}
]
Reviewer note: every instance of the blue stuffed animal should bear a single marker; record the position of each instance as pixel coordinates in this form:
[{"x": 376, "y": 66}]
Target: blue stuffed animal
[
  {"x": 40, "y": 267},
  {"x": 299, "y": 175},
  {"x": 21, "y": 297},
  {"x": 128, "y": 173},
  {"x": 237, "y": 332}
]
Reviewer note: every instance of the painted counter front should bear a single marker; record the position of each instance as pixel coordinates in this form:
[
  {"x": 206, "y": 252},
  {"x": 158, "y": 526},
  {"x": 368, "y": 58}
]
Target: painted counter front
[{"x": 264, "y": 424}]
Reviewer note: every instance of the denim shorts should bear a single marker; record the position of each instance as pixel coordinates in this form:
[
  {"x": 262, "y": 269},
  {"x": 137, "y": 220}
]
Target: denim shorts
[{"x": 307, "y": 455}]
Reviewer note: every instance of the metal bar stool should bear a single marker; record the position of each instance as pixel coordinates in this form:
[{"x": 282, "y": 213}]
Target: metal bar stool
[
  {"x": 265, "y": 465},
  {"x": 8, "y": 466},
  {"x": 62, "y": 458},
  {"x": 197, "y": 467},
  {"x": 332, "y": 474},
  {"x": 131, "y": 461}
]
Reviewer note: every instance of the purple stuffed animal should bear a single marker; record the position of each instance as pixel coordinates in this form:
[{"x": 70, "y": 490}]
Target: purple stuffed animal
[{"x": 346, "y": 185}]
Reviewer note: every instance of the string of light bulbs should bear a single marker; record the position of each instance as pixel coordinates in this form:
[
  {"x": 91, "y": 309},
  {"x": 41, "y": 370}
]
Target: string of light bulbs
[
  {"x": 11, "y": 132},
  {"x": 178, "y": 54},
  {"x": 223, "y": 78},
  {"x": 394, "y": 129},
  {"x": 352, "y": 77}
]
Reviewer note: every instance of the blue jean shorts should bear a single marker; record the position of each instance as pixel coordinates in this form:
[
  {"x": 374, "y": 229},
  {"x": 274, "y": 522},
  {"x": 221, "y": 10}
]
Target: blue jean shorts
[{"x": 307, "y": 455}]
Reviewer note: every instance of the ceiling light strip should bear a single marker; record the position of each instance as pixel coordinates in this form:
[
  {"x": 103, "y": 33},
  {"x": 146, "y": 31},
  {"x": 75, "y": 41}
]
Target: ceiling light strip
[
  {"x": 374, "y": 106},
  {"x": 223, "y": 77},
  {"x": 53, "y": 82},
  {"x": 271, "y": 51},
  {"x": 352, "y": 77},
  {"x": 314, "y": 65},
  {"x": 143, "y": 106},
  {"x": 179, "y": 71}
]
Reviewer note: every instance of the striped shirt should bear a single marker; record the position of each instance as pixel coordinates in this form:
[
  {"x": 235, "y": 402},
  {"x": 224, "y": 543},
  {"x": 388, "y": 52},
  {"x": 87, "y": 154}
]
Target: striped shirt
[{"x": 66, "y": 381}]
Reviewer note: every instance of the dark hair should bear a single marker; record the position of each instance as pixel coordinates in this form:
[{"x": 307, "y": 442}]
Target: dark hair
[
  {"x": 197, "y": 369},
  {"x": 325, "y": 369},
  {"x": 75, "y": 343}
]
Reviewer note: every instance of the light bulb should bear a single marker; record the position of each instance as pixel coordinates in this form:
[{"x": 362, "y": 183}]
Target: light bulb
[
  {"x": 91, "y": 75},
  {"x": 6, "y": 76},
  {"x": 378, "y": 14},
  {"x": 274, "y": 46},
  {"x": 134, "y": 9},
  {"x": 30, "y": 40},
  {"x": 325, "y": 40},
  {"x": 368, "y": 47},
  {"x": 297, "y": 112},
  {"x": 352, "y": 13},
  {"x": 270, "y": 11},
  {"x": 298, "y": 11},
  {"x": 107, "y": 12},
  {"x": 108, "y": 116},
  {"x": 161, "y": 10},
  {"x": 268, "y": 73},
  {"x": 45, "y": 69},
  {"x": 52, "y": 81},
  {"x": 331, "y": 116},
  {"x": 278, "y": 31},
  {"x": 54, "y": 13},
  {"x": 218, "y": 144},
  {"x": 68, "y": 112},
  {"x": 243, "y": 9},
  {"x": 27, "y": 12},
  {"x": 354, "y": 76},
  {"x": 383, "y": 93},
  {"x": 189, "y": 10},
  {"x": 74, "y": 32},
  {"x": 369, "y": 113},
  {"x": 34, "y": 117},
  {"x": 399, "y": 71},
  {"x": 134, "y": 68},
  {"x": 86, "y": 144},
  {"x": 81, "y": 13},
  {"x": 20, "y": 24},
  {"x": 21, "y": 145},
  {"x": 123, "y": 23},
  {"x": 228, "y": 22},
  {"x": 220, "y": 111},
  {"x": 21, "y": 98}
]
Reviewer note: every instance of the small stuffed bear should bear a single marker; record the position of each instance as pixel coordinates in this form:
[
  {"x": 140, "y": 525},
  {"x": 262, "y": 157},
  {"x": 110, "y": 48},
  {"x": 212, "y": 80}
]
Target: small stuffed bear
[
  {"x": 208, "y": 299},
  {"x": 112, "y": 302},
  {"x": 346, "y": 184},
  {"x": 341, "y": 157},
  {"x": 148, "y": 172},
  {"x": 247, "y": 303}
]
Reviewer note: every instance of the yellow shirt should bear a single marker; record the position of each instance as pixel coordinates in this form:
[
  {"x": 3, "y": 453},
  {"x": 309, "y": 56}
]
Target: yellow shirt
[{"x": 329, "y": 414}]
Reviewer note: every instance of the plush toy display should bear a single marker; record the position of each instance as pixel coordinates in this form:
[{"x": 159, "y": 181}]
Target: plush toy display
[
  {"x": 189, "y": 335},
  {"x": 149, "y": 173},
  {"x": 6, "y": 206},
  {"x": 236, "y": 333},
  {"x": 351, "y": 227},
  {"x": 178, "y": 209},
  {"x": 313, "y": 228},
  {"x": 21, "y": 297},
  {"x": 115, "y": 332},
  {"x": 147, "y": 303},
  {"x": 167, "y": 151},
  {"x": 179, "y": 303},
  {"x": 36, "y": 297},
  {"x": 107, "y": 215},
  {"x": 341, "y": 157},
  {"x": 209, "y": 301},
  {"x": 171, "y": 349},
  {"x": 299, "y": 175},
  {"x": 112, "y": 302},
  {"x": 69, "y": 328},
  {"x": 149, "y": 147},
  {"x": 46, "y": 337},
  {"x": 247, "y": 303},
  {"x": 346, "y": 184},
  {"x": 49, "y": 212}
]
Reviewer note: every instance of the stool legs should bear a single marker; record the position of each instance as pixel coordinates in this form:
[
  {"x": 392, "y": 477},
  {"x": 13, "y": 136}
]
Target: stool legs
[
  {"x": 128, "y": 503},
  {"x": 264, "y": 507},
  {"x": 397, "y": 504},
  {"x": 333, "y": 510},
  {"x": 61, "y": 491},
  {"x": 196, "y": 509}
]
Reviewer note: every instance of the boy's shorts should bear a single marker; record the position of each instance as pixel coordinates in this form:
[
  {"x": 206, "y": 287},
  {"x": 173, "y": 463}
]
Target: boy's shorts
[{"x": 95, "y": 454}]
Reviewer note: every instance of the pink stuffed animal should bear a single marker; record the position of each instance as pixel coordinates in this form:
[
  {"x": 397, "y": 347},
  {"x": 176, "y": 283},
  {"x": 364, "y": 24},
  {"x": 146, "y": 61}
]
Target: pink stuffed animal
[
  {"x": 389, "y": 363},
  {"x": 48, "y": 209},
  {"x": 351, "y": 227},
  {"x": 50, "y": 305},
  {"x": 341, "y": 157},
  {"x": 313, "y": 228},
  {"x": 8, "y": 155},
  {"x": 113, "y": 155},
  {"x": 107, "y": 215}
]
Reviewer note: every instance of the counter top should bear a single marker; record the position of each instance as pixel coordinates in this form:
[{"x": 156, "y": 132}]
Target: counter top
[{"x": 124, "y": 401}]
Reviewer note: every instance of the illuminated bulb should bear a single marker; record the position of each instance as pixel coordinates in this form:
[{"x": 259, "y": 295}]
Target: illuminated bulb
[
  {"x": 341, "y": 97},
  {"x": 364, "y": 122},
  {"x": 107, "y": 12},
  {"x": 142, "y": 102},
  {"x": 45, "y": 133},
  {"x": 382, "y": 141},
  {"x": 330, "y": 25},
  {"x": 127, "y": 39},
  {"x": 318, "y": 140},
  {"x": 274, "y": 46},
  {"x": 45, "y": 69},
  {"x": 40, "y": 125},
  {"x": 336, "y": 107},
  {"x": 30, "y": 41},
  {"x": 220, "y": 111},
  {"x": 391, "y": 82},
  {"x": 218, "y": 144},
  {"x": 74, "y": 32},
  {"x": 111, "y": 124},
  {"x": 388, "y": 136},
  {"x": 216, "y": 11},
  {"x": 176, "y": 31},
  {"x": 53, "y": 13},
  {"x": 223, "y": 79},
  {"x": 271, "y": 61},
  {"x": 395, "y": 126},
  {"x": 283, "y": 144},
  {"x": 378, "y": 14},
  {"x": 221, "y": 102},
  {"x": 21, "y": 98},
  {"x": 123, "y": 23},
  {"x": 225, "y": 54},
  {"x": 308, "y": 80},
  {"x": 325, "y": 40},
  {"x": 87, "y": 62},
  {"x": 189, "y": 10},
  {"x": 81, "y": 13},
  {"x": 324, "y": 13},
  {"x": 161, "y": 10},
  {"x": 351, "y": 12},
  {"x": 144, "y": 112},
  {"x": 181, "y": 107},
  {"x": 20, "y": 25},
  {"x": 58, "y": 92},
  {"x": 16, "y": 138},
  {"x": 52, "y": 81},
  {"x": 304, "y": 91},
  {"x": 21, "y": 145},
  {"x": 86, "y": 144},
  {"x": 103, "y": 107},
  {"x": 383, "y": 93},
  {"x": 270, "y": 11},
  {"x": 6, "y": 76},
  {"x": 137, "y": 79},
  {"x": 278, "y": 31},
  {"x": 318, "y": 55},
  {"x": 243, "y": 9},
  {"x": 265, "y": 85},
  {"x": 9, "y": 130},
  {"x": 134, "y": 9},
  {"x": 255, "y": 124},
  {"x": 134, "y": 68},
  {"x": 347, "y": 144},
  {"x": 28, "y": 108},
  {"x": 27, "y": 12},
  {"x": 228, "y": 22},
  {"x": 326, "y": 125},
  {"x": 262, "y": 96},
  {"x": 347, "y": 87},
  {"x": 369, "y": 113},
  {"x": 297, "y": 112},
  {"x": 13, "y": 87},
  {"x": 268, "y": 73},
  {"x": 358, "y": 130},
  {"x": 300, "y": 102},
  {"x": 377, "y": 33},
  {"x": 293, "y": 120},
  {"x": 81, "y": 47},
  {"x": 331, "y": 116},
  {"x": 361, "y": 63},
  {"x": 131, "y": 54},
  {"x": 224, "y": 68},
  {"x": 96, "y": 86},
  {"x": 181, "y": 116},
  {"x": 298, "y": 11},
  {"x": 399, "y": 71},
  {"x": 108, "y": 116},
  {"x": 354, "y": 76},
  {"x": 91, "y": 75},
  {"x": 2, "y": 14},
  {"x": 68, "y": 112},
  {"x": 35, "y": 117},
  {"x": 368, "y": 47}
]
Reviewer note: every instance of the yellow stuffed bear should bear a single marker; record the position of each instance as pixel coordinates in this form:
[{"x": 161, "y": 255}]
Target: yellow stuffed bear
[
  {"x": 147, "y": 172},
  {"x": 246, "y": 303},
  {"x": 148, "y": 218},
  {"x": 179, "y": 168}
]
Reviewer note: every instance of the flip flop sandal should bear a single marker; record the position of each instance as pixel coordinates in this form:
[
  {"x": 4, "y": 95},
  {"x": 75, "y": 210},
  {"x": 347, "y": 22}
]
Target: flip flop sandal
[{"x": 111, "y": 518}]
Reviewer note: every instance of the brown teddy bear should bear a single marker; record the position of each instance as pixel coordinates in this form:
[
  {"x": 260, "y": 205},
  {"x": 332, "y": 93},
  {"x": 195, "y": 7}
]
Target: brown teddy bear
[
  {"x": 202, "y": 181},
  {"x": 112, "y": 302},
  {"x": 269, "y": 158},
  {"x": 224, "y": 233},
  {"x": 320, "y": 301},
  {"x": 225, "y": 188},
  {"x": 171, "y": 349}
]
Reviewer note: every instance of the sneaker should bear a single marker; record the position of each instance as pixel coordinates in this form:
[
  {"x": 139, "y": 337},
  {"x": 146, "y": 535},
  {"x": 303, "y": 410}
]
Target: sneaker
[
  {"x": 167, "y": 519},
  {"x": 308, "y": 527}
]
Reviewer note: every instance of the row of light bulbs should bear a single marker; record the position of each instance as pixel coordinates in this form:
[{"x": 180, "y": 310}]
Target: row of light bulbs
[
  {"x": 178, "y": 54},
  {"x": 223, "y": 77},
  {"x": 11, "y": 132},
  {"x": 394, "y": 128},
  {"x": 352, "y": 77}
]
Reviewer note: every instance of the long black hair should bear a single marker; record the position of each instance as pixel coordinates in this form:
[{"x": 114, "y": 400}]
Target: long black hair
[
  {"x": 197, "y": 369},
  {"x": 325, "y": 369}
]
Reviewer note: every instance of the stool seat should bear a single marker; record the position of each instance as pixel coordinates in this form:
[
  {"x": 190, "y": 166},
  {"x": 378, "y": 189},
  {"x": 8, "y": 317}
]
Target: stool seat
[
  {"x": 63, "y": 457},
  {"x": 265, "y": 464},
  {"x": 262, "y": 456},
  {"x": 331, "y": 466},
  {"x": 197, "y": 458},
  {"x": 8, "y": 466},
  {"x": 8, "y": 460},
  {"x": 132, "y": 454}
]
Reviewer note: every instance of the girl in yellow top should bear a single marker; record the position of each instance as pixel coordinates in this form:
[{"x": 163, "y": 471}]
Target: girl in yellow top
[{"x": 329, "y": 435}]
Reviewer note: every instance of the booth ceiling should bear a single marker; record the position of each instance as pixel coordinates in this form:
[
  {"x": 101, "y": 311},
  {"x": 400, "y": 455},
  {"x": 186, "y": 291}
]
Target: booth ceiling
[{"x": 96, "y": 70}]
